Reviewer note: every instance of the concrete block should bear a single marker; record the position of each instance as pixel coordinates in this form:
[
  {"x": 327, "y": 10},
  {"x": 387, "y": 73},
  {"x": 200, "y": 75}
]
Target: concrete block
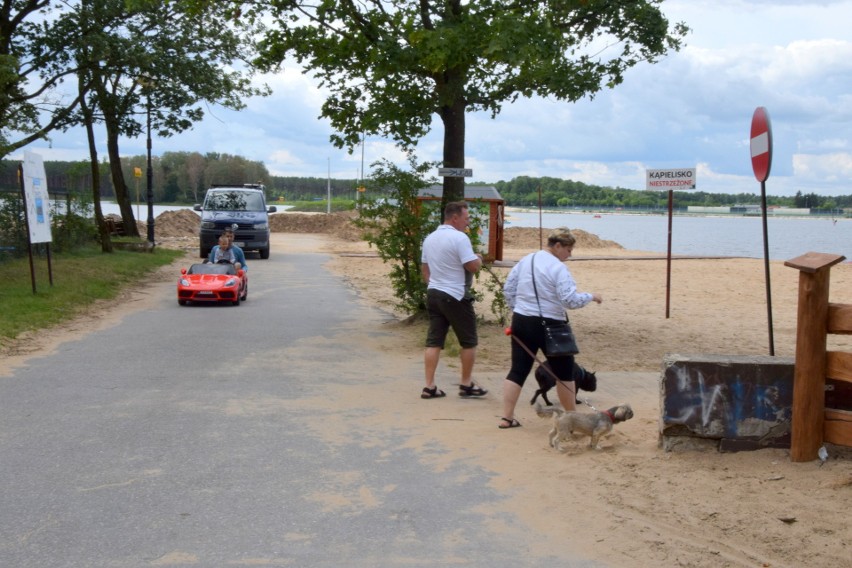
[{"x": 736, "y": 402}]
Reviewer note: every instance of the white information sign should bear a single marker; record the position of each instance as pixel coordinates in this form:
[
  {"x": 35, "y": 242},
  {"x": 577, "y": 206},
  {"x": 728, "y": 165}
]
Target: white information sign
[
  {"x": 681, "y": 178},
  {"x": 36, "y": 199},
  {"x": 455, "y": 172}
]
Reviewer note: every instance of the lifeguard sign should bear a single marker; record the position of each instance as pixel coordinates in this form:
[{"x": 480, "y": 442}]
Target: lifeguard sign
[{"x": 680, "y": 178}]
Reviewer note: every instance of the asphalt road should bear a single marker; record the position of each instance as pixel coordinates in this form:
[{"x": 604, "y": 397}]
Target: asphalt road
[{"x": 186, "y": 436}]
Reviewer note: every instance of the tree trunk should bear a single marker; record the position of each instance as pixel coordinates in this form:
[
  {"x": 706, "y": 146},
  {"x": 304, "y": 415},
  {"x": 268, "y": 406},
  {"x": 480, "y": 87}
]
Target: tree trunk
[
  {"x": 453, "y": 118},
  {"x": 122, "y": 194},
  {"x": 103, "y": 230}
]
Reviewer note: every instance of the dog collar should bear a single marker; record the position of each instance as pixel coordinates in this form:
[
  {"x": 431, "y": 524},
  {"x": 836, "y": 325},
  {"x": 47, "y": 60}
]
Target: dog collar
[{"x": 609, "y": 415}]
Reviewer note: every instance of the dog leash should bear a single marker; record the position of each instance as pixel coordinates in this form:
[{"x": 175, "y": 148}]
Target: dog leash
[{"x": 547, "y": 369}]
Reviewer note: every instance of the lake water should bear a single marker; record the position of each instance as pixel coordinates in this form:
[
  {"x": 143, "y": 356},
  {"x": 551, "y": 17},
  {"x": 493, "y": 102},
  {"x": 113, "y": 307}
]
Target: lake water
[
  {"x": 713, "y": 236},
  {"x": 691, "y": 235}
]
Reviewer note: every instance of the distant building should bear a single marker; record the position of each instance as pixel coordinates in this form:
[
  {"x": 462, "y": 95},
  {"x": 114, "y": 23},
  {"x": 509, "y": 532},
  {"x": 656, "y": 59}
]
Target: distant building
[
  {"x": 707, "y": 210},
  {"x": 746, "y": 209}
]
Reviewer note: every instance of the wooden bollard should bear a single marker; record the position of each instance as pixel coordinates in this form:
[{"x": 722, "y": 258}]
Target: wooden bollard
[{"x": 809, "y": 376}]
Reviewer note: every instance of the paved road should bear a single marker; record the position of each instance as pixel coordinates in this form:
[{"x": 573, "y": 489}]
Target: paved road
[{"x": 191, "y": 436}]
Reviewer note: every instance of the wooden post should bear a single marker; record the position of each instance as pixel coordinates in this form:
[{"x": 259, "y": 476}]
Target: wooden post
[{"x": 809, "y": 376}]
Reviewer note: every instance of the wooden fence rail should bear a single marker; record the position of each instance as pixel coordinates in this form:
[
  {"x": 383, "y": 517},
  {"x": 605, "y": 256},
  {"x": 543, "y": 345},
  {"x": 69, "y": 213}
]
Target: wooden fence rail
[{"x": 813, "y": 422}]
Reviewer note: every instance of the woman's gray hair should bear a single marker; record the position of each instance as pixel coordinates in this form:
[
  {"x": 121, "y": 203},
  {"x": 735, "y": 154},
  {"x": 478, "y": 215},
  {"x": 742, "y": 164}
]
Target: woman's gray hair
[{"x": 562, "y": 236}]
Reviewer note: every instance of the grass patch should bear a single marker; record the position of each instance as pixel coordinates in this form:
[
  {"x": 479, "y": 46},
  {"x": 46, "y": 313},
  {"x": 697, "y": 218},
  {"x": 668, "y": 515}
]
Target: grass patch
[
  {"x": 320, "y": 206},
  {"x": 79, "y": 279}
]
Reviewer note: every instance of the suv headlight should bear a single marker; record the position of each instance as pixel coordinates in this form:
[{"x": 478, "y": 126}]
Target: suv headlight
[
  {"x": 208, "y": 225},
  {"x": 260, "y": 226}
]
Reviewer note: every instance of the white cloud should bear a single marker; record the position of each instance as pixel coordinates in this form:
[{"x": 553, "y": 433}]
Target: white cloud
[{"x": 692, "y": 109}]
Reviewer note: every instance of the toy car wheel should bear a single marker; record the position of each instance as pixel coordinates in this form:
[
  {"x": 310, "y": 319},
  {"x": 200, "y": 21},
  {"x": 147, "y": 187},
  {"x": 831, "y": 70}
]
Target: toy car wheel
[
  {"x": 237, "y": 301},
  {"x": 264, "y": 253},
  {"x": 182, "y": 302}
]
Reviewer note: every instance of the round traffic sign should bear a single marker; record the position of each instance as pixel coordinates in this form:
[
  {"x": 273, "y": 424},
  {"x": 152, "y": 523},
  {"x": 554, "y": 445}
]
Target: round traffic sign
[{"x": 761, "y": 144}]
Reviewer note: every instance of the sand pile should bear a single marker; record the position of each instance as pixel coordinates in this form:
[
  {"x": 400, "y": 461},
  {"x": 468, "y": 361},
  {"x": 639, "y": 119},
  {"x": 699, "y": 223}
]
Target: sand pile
[{"x": 180, "y": 226}]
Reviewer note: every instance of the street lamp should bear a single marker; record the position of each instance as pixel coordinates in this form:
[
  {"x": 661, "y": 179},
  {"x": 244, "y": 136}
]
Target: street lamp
[{"x": 147, "y": 83}]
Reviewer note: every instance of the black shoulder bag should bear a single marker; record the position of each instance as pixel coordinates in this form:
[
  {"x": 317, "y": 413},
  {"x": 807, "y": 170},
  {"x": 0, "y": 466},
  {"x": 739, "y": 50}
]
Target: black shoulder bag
[{"x": 559, "y": 339}]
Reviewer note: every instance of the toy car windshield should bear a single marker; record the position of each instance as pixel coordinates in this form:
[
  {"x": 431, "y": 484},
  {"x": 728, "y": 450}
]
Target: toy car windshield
[{"x": 212, "y": 269}]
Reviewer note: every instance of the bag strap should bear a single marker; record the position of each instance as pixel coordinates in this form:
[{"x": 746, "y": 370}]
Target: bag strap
[{"x": 537, "y": 301}]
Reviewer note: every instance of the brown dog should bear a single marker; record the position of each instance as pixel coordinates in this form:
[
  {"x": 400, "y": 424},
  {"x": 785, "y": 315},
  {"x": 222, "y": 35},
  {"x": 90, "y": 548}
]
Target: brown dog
[{"x": 592, "y": 424}]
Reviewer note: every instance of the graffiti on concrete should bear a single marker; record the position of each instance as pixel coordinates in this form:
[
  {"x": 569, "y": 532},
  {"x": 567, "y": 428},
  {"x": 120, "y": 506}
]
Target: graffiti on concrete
[{"x": 725, "y": 401}]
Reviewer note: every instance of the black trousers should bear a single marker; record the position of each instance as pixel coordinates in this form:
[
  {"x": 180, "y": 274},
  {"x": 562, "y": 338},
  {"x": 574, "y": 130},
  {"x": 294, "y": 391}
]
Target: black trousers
[{"x": 530, "y": 331}]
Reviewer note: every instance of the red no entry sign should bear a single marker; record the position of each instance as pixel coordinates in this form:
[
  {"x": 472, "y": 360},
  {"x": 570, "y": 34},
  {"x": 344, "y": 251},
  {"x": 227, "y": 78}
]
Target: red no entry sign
[{"x": 761, "y": 144}]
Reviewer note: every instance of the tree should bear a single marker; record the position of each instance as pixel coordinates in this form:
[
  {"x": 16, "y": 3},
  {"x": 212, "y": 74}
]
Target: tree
[
  {"x": 157, "y": 61},
  {"x": 194, "y": 166},
  {"x": 391, "y": 65},
  {"x": 31, "y": 72}
]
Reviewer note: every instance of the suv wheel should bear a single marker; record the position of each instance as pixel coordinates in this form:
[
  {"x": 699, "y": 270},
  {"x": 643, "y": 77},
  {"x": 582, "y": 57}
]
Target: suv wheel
[{"x": 264, "y": 253}]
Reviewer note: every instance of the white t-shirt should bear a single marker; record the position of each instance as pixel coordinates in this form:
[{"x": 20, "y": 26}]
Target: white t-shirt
[
  {"x": 222, "y": 254},
  {"x": 556, "y": 287},
  {"x": 446, "y": 250}
]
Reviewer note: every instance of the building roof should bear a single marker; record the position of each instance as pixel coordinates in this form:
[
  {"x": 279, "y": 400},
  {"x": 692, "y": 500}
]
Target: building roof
[{"x": 471, "y": 193}]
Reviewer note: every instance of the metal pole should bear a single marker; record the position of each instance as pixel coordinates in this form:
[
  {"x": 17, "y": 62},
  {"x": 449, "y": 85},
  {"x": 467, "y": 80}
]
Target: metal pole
[
  {"x": 669, "y": 256},
  {"x": 27, "y": 225},
  {"x": 328, "y": 209},
  {"x": 540, "y": 229},
  {"x": 766, "y": 268},
  {"x": 150, "y": 181}
]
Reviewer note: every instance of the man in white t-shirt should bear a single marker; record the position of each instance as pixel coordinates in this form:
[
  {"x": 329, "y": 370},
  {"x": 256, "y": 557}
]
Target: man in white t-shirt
[{"x": 448, "y": 264}]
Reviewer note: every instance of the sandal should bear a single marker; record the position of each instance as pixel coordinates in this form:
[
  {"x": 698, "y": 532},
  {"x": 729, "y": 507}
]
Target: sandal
[
  {"x": 471, "y": 390},
  {"x": 510, "y": 423},
  {"x": 432, "y": 393}
]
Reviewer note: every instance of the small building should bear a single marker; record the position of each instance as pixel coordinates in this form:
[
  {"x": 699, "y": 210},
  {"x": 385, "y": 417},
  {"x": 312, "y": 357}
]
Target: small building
[
  {"x": 704, "y": 210},
  {"x": 491, "y": 233}
]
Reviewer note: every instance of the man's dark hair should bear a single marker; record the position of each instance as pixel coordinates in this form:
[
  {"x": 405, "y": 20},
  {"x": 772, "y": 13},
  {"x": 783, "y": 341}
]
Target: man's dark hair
[{"x": 454, "y": 208}]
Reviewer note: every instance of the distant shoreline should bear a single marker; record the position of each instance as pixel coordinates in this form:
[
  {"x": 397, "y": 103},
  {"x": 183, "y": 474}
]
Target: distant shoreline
[{"x": 593, "y": 212}]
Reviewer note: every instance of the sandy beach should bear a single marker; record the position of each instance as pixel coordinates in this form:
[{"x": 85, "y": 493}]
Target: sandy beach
[{"x": 630, "y": 503}]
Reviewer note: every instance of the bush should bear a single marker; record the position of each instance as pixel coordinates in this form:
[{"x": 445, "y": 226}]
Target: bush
[
  {"x": 71, "y": 221},
  {"x": 397, "y": 224}
]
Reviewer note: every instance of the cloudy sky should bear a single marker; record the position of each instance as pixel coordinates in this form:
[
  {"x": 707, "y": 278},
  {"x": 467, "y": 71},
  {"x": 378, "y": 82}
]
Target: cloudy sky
[{"x": 693, "y": 109}]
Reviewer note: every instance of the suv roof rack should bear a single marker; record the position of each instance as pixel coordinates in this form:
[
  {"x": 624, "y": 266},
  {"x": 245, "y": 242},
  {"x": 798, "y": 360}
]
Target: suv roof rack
[{"x": 245, "y": 185}]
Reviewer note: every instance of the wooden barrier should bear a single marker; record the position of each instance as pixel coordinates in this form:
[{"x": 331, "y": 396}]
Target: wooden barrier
[{"x": 813, "y": 423}]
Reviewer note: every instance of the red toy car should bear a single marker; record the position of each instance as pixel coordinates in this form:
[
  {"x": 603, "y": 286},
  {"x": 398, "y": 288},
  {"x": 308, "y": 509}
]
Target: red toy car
[{"x": 212, "y": 283}]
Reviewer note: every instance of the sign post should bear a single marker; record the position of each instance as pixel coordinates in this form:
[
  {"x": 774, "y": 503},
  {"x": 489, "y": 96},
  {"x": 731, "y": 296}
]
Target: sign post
[
  {"x": 36, "y": 209},
  {"x": 683, "y": 178},
  {"x": 137, "y": 173},
  {"x": 761, "y": 162}
]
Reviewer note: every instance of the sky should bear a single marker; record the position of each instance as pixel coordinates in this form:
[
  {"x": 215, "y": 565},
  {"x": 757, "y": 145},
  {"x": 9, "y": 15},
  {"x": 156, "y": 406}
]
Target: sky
[{"x": 692, "y": 109}]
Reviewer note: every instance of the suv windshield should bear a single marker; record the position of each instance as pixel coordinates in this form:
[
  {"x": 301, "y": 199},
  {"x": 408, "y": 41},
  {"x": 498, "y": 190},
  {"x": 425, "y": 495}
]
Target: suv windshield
[{"x": 234, "y": 200}]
